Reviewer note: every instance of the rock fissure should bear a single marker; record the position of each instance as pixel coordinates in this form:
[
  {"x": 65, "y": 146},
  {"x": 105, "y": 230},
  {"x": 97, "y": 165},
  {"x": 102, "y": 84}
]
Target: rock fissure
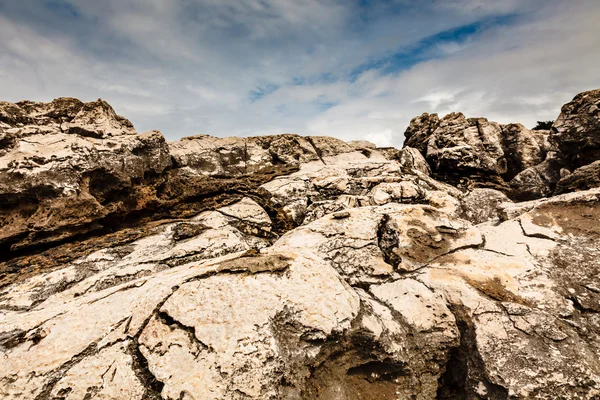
[
  {"x": 297, "y": 267},
  {"x": 466, "y": 371},
  {"x": 57, "y": 374}
]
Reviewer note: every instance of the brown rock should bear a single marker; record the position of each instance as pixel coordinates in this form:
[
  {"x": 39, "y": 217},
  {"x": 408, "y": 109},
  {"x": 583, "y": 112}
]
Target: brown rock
[
  {"x": 576, "y": 132},
  {"x": 583, "y": 178},
  {"x": 419, "y": 131}
]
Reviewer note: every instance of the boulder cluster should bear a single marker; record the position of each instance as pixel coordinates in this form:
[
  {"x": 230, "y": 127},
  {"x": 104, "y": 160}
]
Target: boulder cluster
[
  {"x": 525, "y": 164},
  {"x": 464, "y": 266}
]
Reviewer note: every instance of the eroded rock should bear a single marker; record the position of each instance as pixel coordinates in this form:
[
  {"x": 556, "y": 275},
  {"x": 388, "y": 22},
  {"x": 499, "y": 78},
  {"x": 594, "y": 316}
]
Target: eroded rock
[
  {"x": 583, "y": 178},
  {"x": 290, "y": 267},
  {"x": 576, "y": 131}
]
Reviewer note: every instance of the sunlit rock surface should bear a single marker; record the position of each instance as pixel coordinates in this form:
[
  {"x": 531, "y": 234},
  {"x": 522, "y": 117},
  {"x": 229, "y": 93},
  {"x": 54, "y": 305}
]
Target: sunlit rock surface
[{"x": 292, "y": 267}]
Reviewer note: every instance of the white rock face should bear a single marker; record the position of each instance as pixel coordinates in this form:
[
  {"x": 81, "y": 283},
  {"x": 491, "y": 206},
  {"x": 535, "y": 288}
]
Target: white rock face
[
  {"x": 240, "y": 323},
  {"x": 286, "y": 267}
]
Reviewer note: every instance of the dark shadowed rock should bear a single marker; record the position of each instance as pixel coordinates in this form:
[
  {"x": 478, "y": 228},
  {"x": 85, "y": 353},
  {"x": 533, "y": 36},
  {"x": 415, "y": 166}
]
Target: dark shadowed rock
[
  {"x": 583, "y": 178},
  {"x": 419, "y": 131},
  {"x": 537, "y": 181},
  {"x": 521, "y": 148},
  {"x": 576, "y": 131}
]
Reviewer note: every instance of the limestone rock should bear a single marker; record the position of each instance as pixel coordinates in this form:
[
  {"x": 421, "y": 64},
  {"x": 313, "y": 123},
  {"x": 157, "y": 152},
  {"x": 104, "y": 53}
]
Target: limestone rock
[
  {"x": 483, "y": 205},
  {"x": 420, "y": 130},
  {"x": 290, "y": 267},
  {"x": 208, "y": 155},
  {"x": 576, "y": 131},
  {"x": 521, "y": 148},
  {"x": 459, "y": 144},
  {"x": 537, "y": 181},
  {"x": 69, "y": 168},
  {"x": 542, "y": 137},
  {"x": 55, "y": 183},
  {"x": 98, "y": 119},
  {"x": 411, "y": 159},
  {"x": 354, "y": 179},
  {"x": 583, "y": 178},
  {"x": 474, "y": 152},
  {"x": 362, "y": 145},
  {"x": 94, "y": 119}
]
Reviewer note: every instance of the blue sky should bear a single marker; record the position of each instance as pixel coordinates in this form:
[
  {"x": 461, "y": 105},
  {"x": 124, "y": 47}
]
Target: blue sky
[{"x": 352, "y": 69}]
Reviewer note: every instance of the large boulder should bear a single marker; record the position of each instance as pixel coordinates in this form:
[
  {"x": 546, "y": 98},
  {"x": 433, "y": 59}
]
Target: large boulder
[
  {"x": 483, "y": 205},
  {"x": 583, "y": 178},
  {"x": 576, "y": 131},
  {"x": 522, "y": 149},
  {"x": 461, "y": 145},
  {"x": 419, "y": 131},
  {"x": 538, "y": 181},
  {"x": 411, "y": 159}
]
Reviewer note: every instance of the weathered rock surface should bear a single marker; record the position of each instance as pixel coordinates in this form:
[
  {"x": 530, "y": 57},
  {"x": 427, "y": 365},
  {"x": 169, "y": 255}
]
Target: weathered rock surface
[
  {"x": 483, "y": 205},
  {"x": 583, "y": 178},
  {"x": 525, "y": 164},
  {"x": 538, "y": 181},
  {"x": 522, "y": 148},
  {"x": 420, "y": 130},
  {"x": 290, "y": 267},
  {"x": 576, "y": 132},
  {"x": 466, "y": 145}
]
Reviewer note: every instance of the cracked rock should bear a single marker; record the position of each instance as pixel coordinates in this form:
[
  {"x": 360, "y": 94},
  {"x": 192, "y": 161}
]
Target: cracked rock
[{"x": 292, "y": 267}]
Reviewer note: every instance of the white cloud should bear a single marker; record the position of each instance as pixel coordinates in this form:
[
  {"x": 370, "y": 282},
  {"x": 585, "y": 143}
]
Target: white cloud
[{"x": 190, "y": 66}]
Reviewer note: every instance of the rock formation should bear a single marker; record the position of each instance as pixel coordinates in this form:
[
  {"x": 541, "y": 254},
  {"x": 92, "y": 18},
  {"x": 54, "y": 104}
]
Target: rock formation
[
  {"x": 525, "y": 164},
  {"x": 291, "y": 267}
]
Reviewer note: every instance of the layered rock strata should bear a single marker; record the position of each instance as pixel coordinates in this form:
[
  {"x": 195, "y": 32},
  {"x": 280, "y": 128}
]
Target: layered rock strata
[{"x": 290, "y": 267}]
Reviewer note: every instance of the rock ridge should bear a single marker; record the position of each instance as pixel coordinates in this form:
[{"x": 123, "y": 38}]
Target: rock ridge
[{"x": 292, "y": 267}]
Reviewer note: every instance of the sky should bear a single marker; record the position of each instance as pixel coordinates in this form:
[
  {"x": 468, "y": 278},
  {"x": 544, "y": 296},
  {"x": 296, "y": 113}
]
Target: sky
[{"x": 353, "y": 69}]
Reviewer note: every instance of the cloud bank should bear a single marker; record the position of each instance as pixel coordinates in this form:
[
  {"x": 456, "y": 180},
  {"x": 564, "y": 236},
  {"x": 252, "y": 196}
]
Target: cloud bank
[{"x": 350, "y": 69}]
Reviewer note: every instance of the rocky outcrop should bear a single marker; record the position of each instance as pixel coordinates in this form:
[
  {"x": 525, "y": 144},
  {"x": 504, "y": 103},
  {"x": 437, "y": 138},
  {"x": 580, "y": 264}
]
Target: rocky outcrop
[
  {"x": 523, "y": 163},
  {"x": 576, "y": 131},
  {"x": 420, "y": 130},
  {"x": 583, "y": 178},
  {"x": 291, "y": 267},
  {"x": 68, "y": 115},
  {"x": 70, "y": 169},
  {"x": 70, "y": 164},
  {"x": 461, "y": 145},
  {"x": 229, "y": 157},
  {"x": 522, "y": 148},
  {"x": 538, "y": 181}
]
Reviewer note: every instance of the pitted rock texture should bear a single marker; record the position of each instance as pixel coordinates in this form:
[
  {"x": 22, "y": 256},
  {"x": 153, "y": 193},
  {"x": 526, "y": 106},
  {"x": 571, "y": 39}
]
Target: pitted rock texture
[
  {"x": 461, "y": 144},
  {"x": 291, "y": 267},
  {"x": 576, "y": 131},
  {"x": 524, "y": 164},
  {"x": 583, "y": 178}
]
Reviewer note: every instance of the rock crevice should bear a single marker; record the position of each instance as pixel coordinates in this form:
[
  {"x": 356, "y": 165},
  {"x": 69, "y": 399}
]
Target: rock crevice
[{"x": 290, "y": 267}]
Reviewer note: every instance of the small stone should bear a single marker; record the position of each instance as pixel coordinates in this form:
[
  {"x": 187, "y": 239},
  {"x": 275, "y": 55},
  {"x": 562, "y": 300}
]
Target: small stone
[{"x": 341, "y": 214}]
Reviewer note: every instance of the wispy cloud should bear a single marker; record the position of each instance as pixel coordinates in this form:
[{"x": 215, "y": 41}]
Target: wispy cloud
[{"x": 351, "y": 69}]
